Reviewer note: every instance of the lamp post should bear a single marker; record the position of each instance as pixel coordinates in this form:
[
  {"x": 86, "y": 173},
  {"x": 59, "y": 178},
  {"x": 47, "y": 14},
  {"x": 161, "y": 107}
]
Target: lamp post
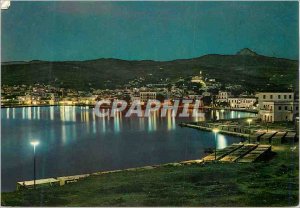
[
  {"x": 34, "y": 144},
  {"x": 249, "y": 120},
  {"x": 267, "y": 119},
  {"x": 216, "y": 130}
]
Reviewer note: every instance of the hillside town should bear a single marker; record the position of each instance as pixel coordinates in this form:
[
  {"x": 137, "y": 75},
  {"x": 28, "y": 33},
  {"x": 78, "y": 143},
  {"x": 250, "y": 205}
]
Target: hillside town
[{"x": 270, "y": 106}]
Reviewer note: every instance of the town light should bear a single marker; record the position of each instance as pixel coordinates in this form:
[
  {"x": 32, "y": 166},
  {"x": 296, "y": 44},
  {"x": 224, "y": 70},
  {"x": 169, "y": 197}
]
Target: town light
[
  {"x": 34, "y": 143},
  {"x": 216, "y": 130}
]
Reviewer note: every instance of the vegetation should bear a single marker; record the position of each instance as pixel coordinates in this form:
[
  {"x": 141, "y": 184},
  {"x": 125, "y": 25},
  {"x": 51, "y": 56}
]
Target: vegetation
[
  {"x": 253, "y": 72},
  {"x": 268, "y": 183}
]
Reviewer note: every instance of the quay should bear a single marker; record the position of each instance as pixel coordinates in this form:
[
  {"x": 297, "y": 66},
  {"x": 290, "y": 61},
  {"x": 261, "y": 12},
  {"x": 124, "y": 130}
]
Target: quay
[
  {"x": 254, "y": 133},
  {"x": 239, "y": 153},
  {"x": 206, "y": 128},
  {"x": 232, "y": 153},
  {"x": 242, "y": 153},
  {"x": 59, "y": 181}
]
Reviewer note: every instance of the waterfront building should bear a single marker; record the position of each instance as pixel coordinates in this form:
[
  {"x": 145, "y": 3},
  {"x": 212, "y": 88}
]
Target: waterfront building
[
  {"x": 242, "y": 102},
  {"x": 145, "y": 96},
  {"x": 223, "y": 96},
  {"x": 277, "y": 106}
]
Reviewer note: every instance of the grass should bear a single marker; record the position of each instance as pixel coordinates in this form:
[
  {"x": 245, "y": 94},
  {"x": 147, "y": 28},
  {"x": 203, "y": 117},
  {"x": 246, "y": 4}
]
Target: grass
[{"x": 269, "y": 183}]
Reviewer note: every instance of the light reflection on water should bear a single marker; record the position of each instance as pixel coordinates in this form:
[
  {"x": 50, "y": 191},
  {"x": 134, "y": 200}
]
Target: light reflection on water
[{"x": 74, "y": 141}]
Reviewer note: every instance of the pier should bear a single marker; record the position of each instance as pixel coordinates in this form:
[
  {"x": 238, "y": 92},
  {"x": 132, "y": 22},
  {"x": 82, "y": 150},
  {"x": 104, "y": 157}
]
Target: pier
[
  {"x": 243, "y": 153},
  {"x": 252, "y": 133}
]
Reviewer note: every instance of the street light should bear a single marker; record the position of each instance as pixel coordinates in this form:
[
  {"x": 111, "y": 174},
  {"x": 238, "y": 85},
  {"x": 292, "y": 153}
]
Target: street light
[
  {"x": 34, "y": 144},
  {"x": 222, "y": 110},
  {"x": 216, "y": 130},
  {"x": 249, "y": 120},
  {"x": 267, "y": 119}
]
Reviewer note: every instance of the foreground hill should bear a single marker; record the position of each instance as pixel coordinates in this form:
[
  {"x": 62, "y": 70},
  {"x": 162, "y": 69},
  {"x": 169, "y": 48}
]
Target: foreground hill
[
  {"x": 270, "y": 183},
  {"x": 246, "y": 68}
]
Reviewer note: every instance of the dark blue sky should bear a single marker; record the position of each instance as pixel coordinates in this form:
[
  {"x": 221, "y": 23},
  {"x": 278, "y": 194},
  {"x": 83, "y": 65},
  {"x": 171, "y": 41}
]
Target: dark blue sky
[{"x": 147, "y": 30}]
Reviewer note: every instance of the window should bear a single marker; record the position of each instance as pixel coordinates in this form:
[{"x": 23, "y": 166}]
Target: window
[
  {"x": 279, "y": 107},
  {"x": 285, "y": 107},
  {"x": 290, "y": 96},
  {"x": 279, "y": 97},
  {"x": 271, "y": 96},
  {"x": 296, "y": 107},
  {"x": 264, "y": 96},
  {"x": 284, "y": 96}
]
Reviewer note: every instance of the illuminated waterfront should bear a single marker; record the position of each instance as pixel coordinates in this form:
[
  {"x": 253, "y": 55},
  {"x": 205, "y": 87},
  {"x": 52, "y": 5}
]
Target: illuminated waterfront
[{"x": 74, "y": 141}]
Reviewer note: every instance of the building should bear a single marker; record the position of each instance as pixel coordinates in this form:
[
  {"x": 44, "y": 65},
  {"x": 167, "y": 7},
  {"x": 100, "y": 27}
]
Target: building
[
  {"x": 145, "y": 96},
  {"x": 242, "y": 102},
  {"x": 277, "y": 106},
  {"x": 223, "y": 96},
  {"x": 197, "y": 79}
]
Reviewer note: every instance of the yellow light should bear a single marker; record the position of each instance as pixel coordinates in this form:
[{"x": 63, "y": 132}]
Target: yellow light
[
  {"x": 216, "y": 130},
  {"x": 222, "y": 110},
  {"x": 249, "y": 120},
  {"x": 34, "y": 143}
]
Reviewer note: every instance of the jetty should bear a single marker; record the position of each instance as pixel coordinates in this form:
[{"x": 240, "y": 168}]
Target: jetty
[
  {"x": 253, "y": 134},
  {"x": 39, "y": 182},
  {"x": 290, "y": 137},
  {"x": 210, "y": 128},
  {"x": 239, "y": 153},
  {"x": 242, "y": 153},
  {"x": 258, "y": 153},
  {"x": 59, "y": 181},
  {"x": 278, "y": 138},
  {"x": 222, "y": 152},
  {"x": 266, "y": 138}
]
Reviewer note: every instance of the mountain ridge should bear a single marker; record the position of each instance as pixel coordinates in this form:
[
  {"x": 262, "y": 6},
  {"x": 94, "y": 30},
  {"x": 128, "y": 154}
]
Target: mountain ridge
[{"x": 243, "y": 51}]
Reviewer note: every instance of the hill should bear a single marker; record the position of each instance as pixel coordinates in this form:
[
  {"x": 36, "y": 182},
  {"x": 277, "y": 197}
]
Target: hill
[{"x": 252, "y": 71}]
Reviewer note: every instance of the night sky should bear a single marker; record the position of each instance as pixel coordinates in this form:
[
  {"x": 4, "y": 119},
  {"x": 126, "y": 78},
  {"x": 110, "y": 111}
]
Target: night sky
[{"x": 147, "y": 30}]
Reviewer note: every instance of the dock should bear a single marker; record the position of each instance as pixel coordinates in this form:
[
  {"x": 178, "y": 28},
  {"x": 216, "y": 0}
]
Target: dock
[
  {"x": 239, "y": 153},
  {"x": 39, "y": 182},
  {"x": 256, "y": 154},
  {"x": 222, "y": 130},
  {"x": 266, "y": 138},
  {"x": 222, "y": 153},
  {"x": 254, "y": 133},
  {"x": 278, "y": 138},
  {"x": 71, "y": 179},
  {"x": 290, "y": 137},
  {"x": 243, "y": 153},
  {"x": 256, "y": 136}
]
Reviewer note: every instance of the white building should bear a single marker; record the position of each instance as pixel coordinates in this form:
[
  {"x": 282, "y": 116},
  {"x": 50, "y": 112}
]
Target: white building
[
  {"x": 223, "y": 96},
  {"x": 242, "y": 102},
  {"x": 145, "y": 96},
  {"x": 277, "y": 106}
]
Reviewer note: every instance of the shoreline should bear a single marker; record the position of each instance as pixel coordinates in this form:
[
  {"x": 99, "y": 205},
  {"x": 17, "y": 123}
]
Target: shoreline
[
  {"x": 151, "y": 181},
  {"x": 31, "y": 106},
  {"x": 63, "y": 180},
  {"x": 92, "y": 106}
]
